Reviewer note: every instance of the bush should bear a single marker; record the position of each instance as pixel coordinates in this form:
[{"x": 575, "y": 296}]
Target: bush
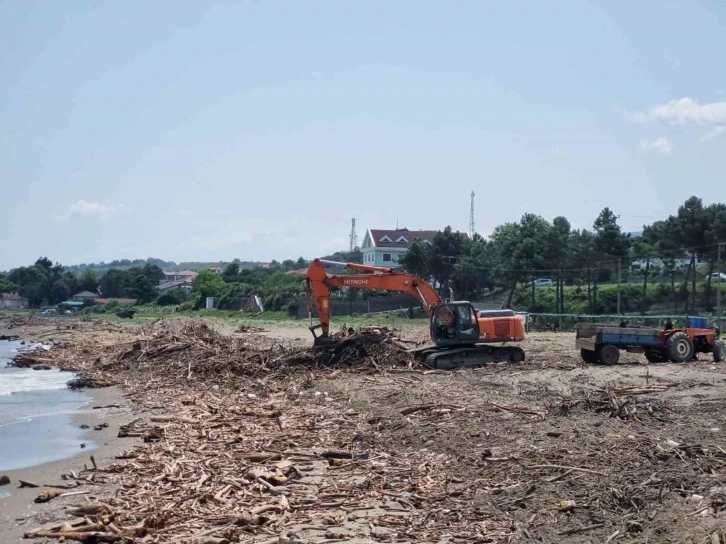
[
  {"x": 192, "y": 302},
  {"x": 172, "y": 297},
  {"x": 232, "y": 300}
]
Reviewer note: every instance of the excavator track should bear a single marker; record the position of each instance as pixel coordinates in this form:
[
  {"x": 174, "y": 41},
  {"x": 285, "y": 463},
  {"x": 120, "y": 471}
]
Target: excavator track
[{"x": 470, "y": 356}]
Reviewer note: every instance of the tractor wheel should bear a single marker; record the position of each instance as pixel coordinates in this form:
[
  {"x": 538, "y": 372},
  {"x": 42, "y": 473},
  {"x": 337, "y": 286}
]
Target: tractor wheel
[
  {"x": 679, "y": 347},
  {"x": 654, "y": 356},
  {"x": 608, "y": 354},
  {"x": 719, "y": 351},
  {"x": 590, "y": 357}
]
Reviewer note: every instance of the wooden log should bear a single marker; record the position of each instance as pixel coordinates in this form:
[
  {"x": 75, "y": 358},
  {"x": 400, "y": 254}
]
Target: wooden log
[
  {"x": 262, "y": 456},
  {"x": 578, "y": 469},
  {"x": 90, "y": 509},
  {"x": 167, "y": 419},
  {"x": 414, "y": 409},
  {"x": 48, "y": 495},
  {"x": 78, "y": 536},
  {"x": 213, "y": 540}
]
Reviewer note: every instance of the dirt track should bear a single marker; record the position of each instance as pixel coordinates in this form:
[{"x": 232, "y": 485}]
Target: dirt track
[{"x": 550, "y": 450}]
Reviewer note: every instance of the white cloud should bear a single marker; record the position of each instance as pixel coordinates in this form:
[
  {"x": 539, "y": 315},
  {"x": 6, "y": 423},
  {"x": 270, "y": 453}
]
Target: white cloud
[
  {"x": 712, "y": 134},
  {"x": 685, "y": 111},
  {"x": 659, "y": 145},
  {"x": 92, "y": 209}
]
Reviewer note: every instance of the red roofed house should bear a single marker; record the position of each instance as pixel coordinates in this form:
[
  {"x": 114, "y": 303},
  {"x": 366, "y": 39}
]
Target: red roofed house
[
  {"x": 183, "y": 275},
  {"x": 382, "y": 247}
]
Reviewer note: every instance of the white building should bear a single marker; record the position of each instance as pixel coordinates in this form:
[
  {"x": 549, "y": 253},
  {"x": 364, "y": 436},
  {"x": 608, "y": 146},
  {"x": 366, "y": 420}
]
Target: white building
[{"x": 11, "y": 301}]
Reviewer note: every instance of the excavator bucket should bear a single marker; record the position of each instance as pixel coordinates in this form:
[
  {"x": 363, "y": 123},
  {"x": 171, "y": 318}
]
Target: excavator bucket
[{"x": 322, "y": 341}]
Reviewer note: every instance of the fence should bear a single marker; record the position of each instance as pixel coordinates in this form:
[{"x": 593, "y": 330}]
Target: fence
[
  {"x": 567, "y": 322},
  {"x": 341, "y": 306}
]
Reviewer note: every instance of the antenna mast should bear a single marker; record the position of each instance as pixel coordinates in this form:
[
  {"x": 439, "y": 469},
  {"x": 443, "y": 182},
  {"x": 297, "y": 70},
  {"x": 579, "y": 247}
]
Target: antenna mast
[
  {"x": 353, "y": 235},
  {"x": 472, "y": 229}
]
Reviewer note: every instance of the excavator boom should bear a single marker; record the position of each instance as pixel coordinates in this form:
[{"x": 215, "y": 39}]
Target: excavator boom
[
  {"x": 318, "y": 284},
  {"x": 462, "y": 337}
]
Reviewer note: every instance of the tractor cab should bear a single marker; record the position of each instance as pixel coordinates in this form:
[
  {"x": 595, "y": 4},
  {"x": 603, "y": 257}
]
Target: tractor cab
[{"x": 454, "y": 324}]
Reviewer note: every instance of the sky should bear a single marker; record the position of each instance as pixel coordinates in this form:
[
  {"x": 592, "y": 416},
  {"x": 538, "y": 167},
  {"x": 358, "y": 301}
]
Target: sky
[{"x": 209, "y": 131}]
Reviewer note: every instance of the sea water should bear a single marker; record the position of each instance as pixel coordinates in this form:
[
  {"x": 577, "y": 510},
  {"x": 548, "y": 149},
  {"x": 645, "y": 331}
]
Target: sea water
[{"x": 36, "y": 408}]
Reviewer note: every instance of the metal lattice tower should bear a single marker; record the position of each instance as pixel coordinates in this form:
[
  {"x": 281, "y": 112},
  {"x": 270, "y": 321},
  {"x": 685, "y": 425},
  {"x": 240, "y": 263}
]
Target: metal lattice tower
[
  {"x": 353, "y": 235},
  {"x": 472, "y": 228}
]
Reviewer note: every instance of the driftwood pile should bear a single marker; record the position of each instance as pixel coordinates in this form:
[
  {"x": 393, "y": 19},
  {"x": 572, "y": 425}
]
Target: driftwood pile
[
  {"x": 262, "y": 458},
  {"x": 190, "y": 352}
]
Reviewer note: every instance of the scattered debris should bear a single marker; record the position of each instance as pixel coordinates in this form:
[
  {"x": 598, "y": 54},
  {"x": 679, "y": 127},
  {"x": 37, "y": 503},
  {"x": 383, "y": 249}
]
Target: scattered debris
[
  {"x": 250, "y": 329},
  {"x": 247, "y": 440}
]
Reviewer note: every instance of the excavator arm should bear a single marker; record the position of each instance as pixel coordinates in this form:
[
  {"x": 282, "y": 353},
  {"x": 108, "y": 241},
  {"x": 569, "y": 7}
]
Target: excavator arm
[{"x": 318, "y": 283}]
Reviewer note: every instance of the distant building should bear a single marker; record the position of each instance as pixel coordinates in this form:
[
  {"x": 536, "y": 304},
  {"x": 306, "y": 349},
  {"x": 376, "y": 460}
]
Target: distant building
[
  {"x": 386, "y": 247},
  {"x": 83, "y": 296},
  {"x": 183, "y": 275},
  {"x": 12, "y": 301},
  {"x": 216, "y": 269},
  {"x": 166, "y": 285}
]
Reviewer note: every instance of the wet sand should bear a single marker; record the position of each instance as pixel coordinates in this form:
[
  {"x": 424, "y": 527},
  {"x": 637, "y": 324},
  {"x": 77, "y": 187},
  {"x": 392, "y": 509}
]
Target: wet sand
[{"x": 18, "y": 512}]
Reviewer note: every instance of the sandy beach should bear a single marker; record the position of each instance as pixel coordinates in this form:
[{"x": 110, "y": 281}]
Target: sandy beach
[
  {"x": 248, "y": 436},
  {"x": 18, "y": 512}
]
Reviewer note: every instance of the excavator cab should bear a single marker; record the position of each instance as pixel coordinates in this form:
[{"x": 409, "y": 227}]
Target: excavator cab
[{"x": 454, "y": 324}]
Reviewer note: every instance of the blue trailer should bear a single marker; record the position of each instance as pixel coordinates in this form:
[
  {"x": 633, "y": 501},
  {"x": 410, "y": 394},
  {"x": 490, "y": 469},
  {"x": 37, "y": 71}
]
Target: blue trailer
[{"x": 601, "y": 344}]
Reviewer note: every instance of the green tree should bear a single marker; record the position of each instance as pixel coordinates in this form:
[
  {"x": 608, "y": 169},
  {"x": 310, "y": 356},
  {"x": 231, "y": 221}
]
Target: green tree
[
  {"x": 230, "y": 272},
  {"x": 581, "y": 255},
  {"x": 139, "y": 286},
  {"x": 88, "y": 280},
  {"x": 60, "y": 291},
  {"x": 558, "y": 251},
  {"x": 685, "y": 234},
  {"x": 416, "y": 260},
  {"x": 445, "y": 250},
  {"x": 506, "y": 269},
  {"x": 232, "y": 299},
  {"x": 34, "y": 283},
  {"x": 610, "y": 242},
  {"x": 6, "y": 286},
  {"x": 154, "y": 273},
  {"x": 471, "y": 269},
  {"x": 208, "y": 284},
  {"x": 715, "y": 234},
  {"x": 112, "y": 282}
]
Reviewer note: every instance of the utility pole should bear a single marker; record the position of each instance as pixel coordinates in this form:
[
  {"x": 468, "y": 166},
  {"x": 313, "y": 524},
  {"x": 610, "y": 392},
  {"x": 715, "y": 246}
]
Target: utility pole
[
  {"x": 618, "y": 312},
  {"x": 472, "y": 228},
  {"x": 353, "y": 235},
  {"x": 718, "y": 287}
]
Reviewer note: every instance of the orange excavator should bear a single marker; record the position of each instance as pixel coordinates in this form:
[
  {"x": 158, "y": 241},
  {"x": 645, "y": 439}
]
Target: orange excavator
[{"x": 461, "y": 336}]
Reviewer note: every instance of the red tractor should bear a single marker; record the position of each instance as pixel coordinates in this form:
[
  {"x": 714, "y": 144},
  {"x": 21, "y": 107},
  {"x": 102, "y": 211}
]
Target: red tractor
[{"x": 682, "y": 345}]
